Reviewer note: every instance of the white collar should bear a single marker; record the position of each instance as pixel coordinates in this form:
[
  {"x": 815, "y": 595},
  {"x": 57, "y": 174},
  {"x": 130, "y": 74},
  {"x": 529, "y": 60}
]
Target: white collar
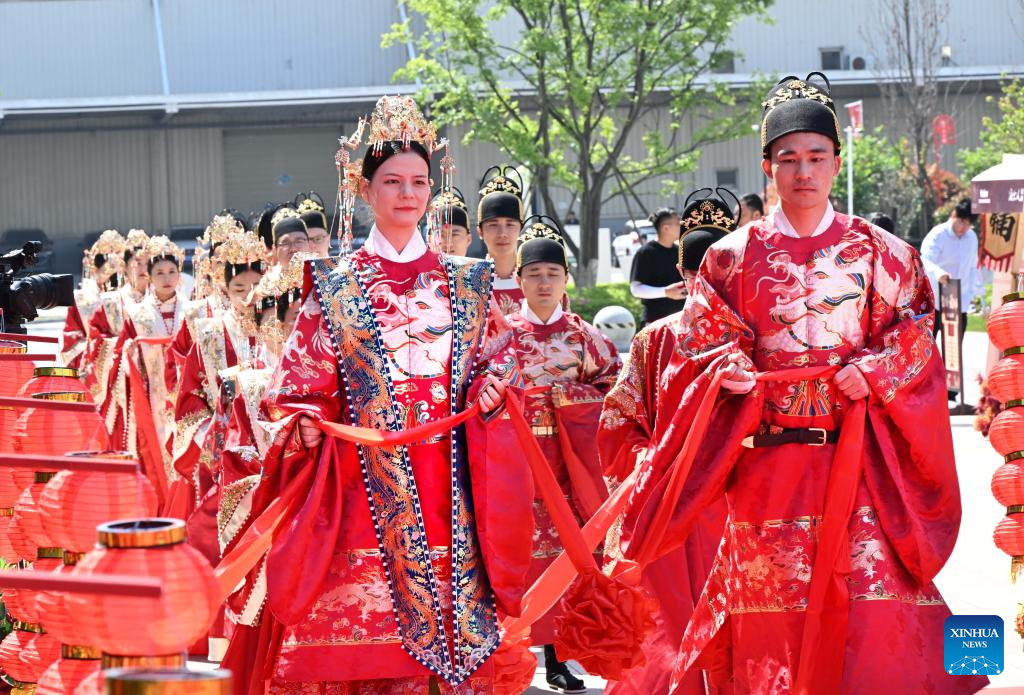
[
  {"x": 378, "y": 245},
  {"x": 533, "y": 318},
  {"x": 777, "y": 218}
]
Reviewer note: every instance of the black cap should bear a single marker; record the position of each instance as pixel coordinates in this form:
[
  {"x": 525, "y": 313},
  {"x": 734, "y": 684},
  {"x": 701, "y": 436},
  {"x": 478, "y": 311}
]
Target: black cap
[
  {"x": 263, "y": 225},
  {"x": 706, "y": 218},
  {"x": 286, "y": 220},
  {"x": 800, "y": 106},
  {"x": 541, "y": 241},
  {"x": 311, "y": 209},
  {"x": 501, "y": 191},
  {"x": 451, "y": 205}
]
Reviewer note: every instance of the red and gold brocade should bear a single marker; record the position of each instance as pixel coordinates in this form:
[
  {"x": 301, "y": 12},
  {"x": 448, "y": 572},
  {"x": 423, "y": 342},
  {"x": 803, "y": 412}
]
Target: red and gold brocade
[
  {"x": 636, "y": 413},
  {"x": 105, "y": 328},
  {"x": 578, "y": 366},
  {"x": 506, "y": 296},
  {"x": 75, "y": 336},
  {"x": 335, "y": 622},
  {"x": 852, "y": 295}
]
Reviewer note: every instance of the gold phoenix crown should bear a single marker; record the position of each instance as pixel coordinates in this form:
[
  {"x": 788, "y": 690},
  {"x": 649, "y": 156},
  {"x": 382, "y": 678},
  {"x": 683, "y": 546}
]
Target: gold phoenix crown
[
  {"x": 220, "y": 228},
  {"x": 398, "y": 118},
  {"x": 239, "y": 248},
  {"x": 282, "y": 279},
  {"x": 136, "y": 239},
  {"x": 160, "y": 246},
  {"x": 110, "y": 243}
]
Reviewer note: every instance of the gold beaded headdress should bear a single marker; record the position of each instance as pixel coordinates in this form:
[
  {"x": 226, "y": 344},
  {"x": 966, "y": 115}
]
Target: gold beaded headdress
[
  {"x": 161, "y": 247},
  {"x": 220, "y": 228},
  {"x": 136, "y": 239},
  {"x": 111, "y": 246},
  {"x": 279, "y": 281},
  {"x": 394, "y": 119},
  {"x": 239, "y": 249}
]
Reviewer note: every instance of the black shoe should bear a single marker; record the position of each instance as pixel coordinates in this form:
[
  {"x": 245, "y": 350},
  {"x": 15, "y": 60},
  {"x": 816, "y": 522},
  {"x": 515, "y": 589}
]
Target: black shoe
[{"x": 558, "y": 675}]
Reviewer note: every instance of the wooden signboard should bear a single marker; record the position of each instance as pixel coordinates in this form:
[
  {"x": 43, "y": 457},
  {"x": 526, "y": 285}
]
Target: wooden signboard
[{"x": 952, "y": 339}]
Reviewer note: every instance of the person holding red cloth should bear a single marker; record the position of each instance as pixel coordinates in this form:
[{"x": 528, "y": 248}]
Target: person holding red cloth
[{"x": 807, "y": 350}]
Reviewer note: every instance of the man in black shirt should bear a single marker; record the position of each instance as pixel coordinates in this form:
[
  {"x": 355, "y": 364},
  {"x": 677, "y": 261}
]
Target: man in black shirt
[{"x": 654, "y": 278}]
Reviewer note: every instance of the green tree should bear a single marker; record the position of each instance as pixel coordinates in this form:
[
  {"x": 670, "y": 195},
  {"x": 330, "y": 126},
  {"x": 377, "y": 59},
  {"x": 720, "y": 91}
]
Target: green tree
[
  {"x": 997, "y": 137},
  {"x": 880, "y": 181},
  {"x": 579, "y": 85}
]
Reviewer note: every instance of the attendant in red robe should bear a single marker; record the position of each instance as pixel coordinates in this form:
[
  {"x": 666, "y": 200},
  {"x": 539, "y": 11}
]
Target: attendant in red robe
[
  {"x": 842, "y": 490},
  {"x": 499, "y": 220},
  {"x": 107, "y": 321},
  {"x": 221, "y": 343},
  {"x": 396, "y": 587},
  {"x": 636, "y": 414},
  {"x": 101, "y": 267},
  {"x": 208, "y": 299},
  {"x": 568, "y": 367},
  {"x": 142, "y": 344}
]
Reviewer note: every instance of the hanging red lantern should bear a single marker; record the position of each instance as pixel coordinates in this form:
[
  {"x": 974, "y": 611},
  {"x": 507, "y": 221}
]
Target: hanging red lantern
[
  {"x": 25, "y": 653},
  {"x": 47, "y": 431},
  {"x": 55, "y": 380},
  {"x": 27, "y": 532},
  {"x": 53, "y": 612},
  {"x": 7, "y": 552},
  {"x": 1009, "y": 535},
  {"x": 67, "y": 674},
  {"x": 1006, "y": 323},
  {"x": 91, "y": 684},
  {"x": 1008, "y": 486},
  {"x": 13, "y": 376},
  {"x": 1006, "y": 380},
  {"x": 1007, "y": 431},
  {"x": 15, "y": 373},
  {"x": 74, "y": 503},
  {"x": 128, "y": 682},
  {"x": 131, "y": 626}
]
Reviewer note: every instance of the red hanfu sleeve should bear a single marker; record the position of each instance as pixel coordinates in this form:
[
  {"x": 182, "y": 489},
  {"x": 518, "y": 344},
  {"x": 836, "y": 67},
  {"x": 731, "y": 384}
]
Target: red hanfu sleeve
[{"x": 73, "y": 343}]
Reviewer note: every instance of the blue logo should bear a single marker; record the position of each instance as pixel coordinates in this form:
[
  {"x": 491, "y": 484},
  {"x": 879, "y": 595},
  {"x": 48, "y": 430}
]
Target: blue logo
[{"x": 974, "y": 645}]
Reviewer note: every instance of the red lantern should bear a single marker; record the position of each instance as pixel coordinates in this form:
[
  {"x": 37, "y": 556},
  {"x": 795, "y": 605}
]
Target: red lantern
[
  {"x": 24, "y": 655},
  {"x": 53, "y": 612},
  {"x": 15, "y": 373},
  {"x": 1006, "y": 323},
  {"x": 7, "y": 552},
  {"x": 1008, "y": 485},
  {"x": 27, "y": 532},
  {"x": 1007, "y": 431},
  {"x": 1009, "y": 535},
  {"x": 55, "y": 380},
  {"x": 133, "y": 626},
  {"x": 1006, "y": 380},
  {"x": 13, "y": 376},
  {"x": 74, "y": 503},
  {"x": 45, "y": 431},
  {"x": 91, "y": 685},
  {"x": 67, "y": 674}
]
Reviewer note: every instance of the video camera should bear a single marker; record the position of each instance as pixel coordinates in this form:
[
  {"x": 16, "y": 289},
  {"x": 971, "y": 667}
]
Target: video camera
[{"x": 20, "y": 299}]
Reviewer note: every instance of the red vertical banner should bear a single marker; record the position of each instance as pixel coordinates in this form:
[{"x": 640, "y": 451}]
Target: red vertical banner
[{"x": 855, "y": 110}]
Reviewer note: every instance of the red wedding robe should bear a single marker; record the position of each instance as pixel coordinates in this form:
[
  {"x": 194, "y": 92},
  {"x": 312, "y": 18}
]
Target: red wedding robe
[
  {"x": 334, "y": 609},
  {"x": 852, "y": 295},
  {"x": 576, "y": 366},
  {"x": 636, "y": 414}
]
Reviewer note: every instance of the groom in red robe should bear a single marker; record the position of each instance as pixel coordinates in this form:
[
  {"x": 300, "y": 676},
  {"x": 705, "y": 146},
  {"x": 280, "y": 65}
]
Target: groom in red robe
[{"x": 808, "y": 336}]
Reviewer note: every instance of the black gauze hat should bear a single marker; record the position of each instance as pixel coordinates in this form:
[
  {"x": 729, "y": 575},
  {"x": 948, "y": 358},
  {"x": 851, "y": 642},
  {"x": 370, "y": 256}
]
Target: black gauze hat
[
  {"x": 800, "y": 106},
  {"x": 451, "y": 206},
  {"x": 500, "y": 195},
  {"x": 706, "y": 218},
  {"x": 311, "y": 210},
  {"x": 541, "y": 241},
  {"x": 286, "y": 221}
]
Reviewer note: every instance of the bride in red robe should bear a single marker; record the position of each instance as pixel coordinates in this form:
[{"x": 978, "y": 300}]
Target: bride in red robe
[
  {"x": 101, "y": 268},
  {"x": 390, "y": 579}
]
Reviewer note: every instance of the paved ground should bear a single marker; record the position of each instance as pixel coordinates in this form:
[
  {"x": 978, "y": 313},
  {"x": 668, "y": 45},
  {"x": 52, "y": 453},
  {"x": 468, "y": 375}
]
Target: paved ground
[{"x": 976, "y": 579}]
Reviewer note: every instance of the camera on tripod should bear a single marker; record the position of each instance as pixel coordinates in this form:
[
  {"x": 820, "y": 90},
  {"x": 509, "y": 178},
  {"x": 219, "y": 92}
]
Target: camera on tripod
[{"x": 22, "y": 298}]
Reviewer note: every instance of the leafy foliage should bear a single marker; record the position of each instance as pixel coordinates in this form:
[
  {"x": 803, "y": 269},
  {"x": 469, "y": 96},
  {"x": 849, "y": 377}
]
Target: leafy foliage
[
  {"x": 588, "y": 301},
  {"x": 997, "y": 137},
  {"x": 584, "y": 86}
]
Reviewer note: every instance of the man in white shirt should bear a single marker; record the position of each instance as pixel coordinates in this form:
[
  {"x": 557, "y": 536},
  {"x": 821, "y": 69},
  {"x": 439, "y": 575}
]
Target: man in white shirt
[{"x": 950, "y": 251}]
